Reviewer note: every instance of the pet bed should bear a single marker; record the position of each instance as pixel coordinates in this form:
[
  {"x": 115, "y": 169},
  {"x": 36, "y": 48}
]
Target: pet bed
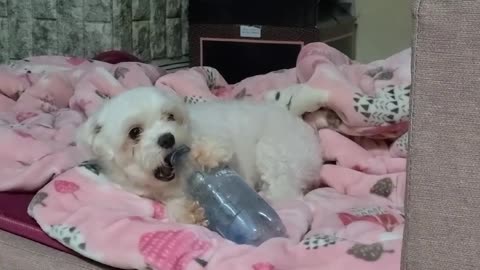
[{"x": 355, "y": 221}]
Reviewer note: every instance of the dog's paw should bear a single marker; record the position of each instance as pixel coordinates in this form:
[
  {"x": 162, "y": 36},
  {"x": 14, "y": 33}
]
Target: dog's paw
[
  {"x": 209, "y": 154},
  {"x": 197, "y": 214},
  {"x": 323, "y": 118},
  {"x": 298, "y": 98},
  {"x": 187, "y": 212}
]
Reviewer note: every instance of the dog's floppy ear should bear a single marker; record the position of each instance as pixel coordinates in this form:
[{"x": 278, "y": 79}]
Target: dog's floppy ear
[{"x": 89, "y": 136}]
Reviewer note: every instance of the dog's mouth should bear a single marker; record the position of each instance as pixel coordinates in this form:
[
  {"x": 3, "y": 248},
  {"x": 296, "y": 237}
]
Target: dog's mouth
[{"x": 164, "y": 173}]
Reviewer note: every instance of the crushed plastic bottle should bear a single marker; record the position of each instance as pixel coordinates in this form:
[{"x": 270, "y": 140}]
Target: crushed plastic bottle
[{"x": 232, "y": 208}]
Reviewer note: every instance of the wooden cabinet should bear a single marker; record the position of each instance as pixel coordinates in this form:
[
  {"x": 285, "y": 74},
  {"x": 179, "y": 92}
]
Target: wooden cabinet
[{"x": 239, "y": 51}]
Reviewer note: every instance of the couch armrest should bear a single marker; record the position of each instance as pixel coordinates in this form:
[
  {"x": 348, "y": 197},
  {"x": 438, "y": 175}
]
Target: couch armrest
[{"x": 443, "y": 198}]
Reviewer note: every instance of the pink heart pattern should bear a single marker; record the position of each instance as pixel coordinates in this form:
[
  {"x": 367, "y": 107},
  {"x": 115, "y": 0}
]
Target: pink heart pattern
[
  {"x": 171, "y": 250},
  {"x": 263, "y": 266}
]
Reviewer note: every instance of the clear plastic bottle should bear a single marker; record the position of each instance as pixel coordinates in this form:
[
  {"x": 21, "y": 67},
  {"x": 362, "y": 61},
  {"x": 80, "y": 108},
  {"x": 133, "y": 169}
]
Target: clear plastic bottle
[{"x": 233, "y": 209}]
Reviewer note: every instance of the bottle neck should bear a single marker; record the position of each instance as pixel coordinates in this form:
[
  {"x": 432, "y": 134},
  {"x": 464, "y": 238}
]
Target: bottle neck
[{"x": 174, "y": 158}]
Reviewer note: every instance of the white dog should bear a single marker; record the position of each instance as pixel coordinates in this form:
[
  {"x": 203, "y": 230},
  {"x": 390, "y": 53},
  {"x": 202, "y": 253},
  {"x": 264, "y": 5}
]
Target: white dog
[{"x": 133, "y": 133}]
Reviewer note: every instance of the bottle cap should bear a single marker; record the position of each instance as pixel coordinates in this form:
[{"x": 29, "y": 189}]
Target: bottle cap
[{"x": 174, "y": 157}]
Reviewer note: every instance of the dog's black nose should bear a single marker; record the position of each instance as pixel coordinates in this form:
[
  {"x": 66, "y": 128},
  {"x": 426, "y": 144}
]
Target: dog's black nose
[{"x": 166, "y": 141}]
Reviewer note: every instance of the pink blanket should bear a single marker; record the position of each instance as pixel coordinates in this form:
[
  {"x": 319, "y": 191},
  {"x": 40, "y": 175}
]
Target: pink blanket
[
  {"x": 354, "y": 221},
  {"x": 365, "y": 100}
]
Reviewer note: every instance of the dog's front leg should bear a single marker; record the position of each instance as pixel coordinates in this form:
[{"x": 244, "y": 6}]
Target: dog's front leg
[
  {"x": 210, "y": 153},
  {"x": 183, "y": 210}
]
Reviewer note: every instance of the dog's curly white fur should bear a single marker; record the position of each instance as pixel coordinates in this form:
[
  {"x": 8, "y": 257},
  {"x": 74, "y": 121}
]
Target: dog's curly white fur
[{"x": 268, "y": 146}]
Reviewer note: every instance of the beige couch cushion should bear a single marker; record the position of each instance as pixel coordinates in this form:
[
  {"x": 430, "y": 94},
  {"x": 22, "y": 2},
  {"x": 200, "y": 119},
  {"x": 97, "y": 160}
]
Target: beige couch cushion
[
  {"x": 17, "y": 253},
  {"x": 443, "y": 200}
]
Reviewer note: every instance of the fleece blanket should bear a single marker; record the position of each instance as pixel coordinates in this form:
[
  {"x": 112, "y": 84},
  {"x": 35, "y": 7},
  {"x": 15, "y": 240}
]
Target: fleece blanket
[{"x": 354, "y": 219}]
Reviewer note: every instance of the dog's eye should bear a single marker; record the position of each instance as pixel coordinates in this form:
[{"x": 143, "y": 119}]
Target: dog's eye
[
  {"x": 170, "y": 117},
  {"x": 134, "y": 133}
]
